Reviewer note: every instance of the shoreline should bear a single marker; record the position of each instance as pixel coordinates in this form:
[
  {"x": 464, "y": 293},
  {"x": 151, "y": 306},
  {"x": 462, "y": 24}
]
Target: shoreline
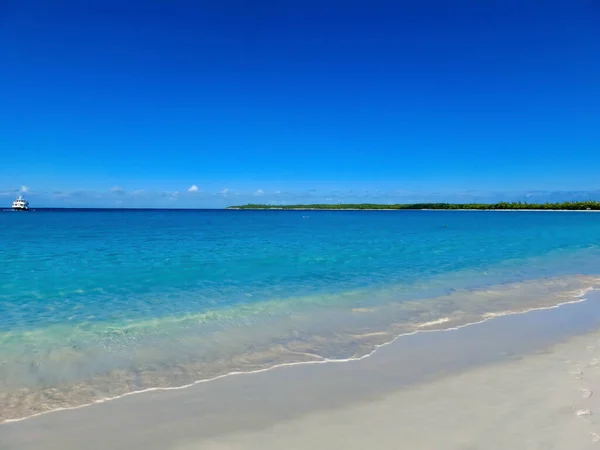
[
  {"x": 420, "y": 328},
  {"x": 545, "y": 399},
  {"x": 335, "y": 334},
  {"x": 425, "y": 379}
]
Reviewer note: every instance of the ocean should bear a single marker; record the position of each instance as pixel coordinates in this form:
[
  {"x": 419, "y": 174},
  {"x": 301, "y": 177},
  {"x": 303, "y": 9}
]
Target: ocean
[{"x": 98, "y": 304}]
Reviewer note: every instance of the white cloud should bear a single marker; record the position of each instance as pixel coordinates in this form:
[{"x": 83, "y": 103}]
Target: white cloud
[
  {"x": 138, "y": 192},
  {"x": 259, "y": 192},
  {"x": 24, "y": 189},
  {"x": 193, "y": 188},
  {"x": 223, "y": 192},
  {"x": 117, "y": 190},
  {"x": 170, "y": 195}
]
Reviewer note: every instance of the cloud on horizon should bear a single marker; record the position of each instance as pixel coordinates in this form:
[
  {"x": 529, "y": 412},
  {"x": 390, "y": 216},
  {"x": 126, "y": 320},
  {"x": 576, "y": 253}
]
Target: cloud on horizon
[
  {"x": 192, "y": 198},
  {"x": 118, "y": 190}
]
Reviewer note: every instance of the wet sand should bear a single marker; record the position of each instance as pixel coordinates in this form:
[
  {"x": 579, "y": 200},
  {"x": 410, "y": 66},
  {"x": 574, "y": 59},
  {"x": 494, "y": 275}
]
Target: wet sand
[{"x": 522, "y": 381}]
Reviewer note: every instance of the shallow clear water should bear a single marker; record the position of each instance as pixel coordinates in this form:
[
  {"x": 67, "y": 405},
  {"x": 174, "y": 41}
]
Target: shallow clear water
[{"x": 94, "y": 304}]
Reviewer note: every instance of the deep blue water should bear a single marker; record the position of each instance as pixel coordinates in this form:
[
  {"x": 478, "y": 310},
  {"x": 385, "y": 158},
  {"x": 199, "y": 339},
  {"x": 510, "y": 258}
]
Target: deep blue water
[{"x": 74, "y": 277}]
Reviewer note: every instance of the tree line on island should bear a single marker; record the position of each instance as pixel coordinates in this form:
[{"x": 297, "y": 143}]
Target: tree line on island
[{"x": 564, "y": 206}]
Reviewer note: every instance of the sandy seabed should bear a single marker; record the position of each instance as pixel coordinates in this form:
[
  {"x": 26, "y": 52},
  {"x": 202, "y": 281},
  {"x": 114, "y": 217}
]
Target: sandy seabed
[{"x": 527, "y": 381}]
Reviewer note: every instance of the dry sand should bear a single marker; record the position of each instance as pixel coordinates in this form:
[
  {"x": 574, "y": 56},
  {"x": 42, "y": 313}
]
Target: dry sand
[
  {"x": 529, "y": 381},
  {"x": 541, "y": 402}
]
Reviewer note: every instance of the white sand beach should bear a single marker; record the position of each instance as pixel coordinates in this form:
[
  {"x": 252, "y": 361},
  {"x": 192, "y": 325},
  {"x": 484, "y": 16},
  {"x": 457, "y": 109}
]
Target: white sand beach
[
  {"x": 541, "y": 402},
  {"x": 526, "y": 381}
]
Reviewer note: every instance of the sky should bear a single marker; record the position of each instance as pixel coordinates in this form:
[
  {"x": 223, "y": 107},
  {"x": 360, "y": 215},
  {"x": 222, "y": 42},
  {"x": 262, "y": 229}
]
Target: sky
[{"x": 208, "y": 104}]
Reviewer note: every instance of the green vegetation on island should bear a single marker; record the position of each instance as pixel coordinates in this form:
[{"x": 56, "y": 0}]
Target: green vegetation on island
[{"x": 564, "y": 206}]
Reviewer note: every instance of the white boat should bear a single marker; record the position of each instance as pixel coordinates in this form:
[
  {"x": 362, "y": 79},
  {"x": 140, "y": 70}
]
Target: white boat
[{"x": 20, "y": 204}]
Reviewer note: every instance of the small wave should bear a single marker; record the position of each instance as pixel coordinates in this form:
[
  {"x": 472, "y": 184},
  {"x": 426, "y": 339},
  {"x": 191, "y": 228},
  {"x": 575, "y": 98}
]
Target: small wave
[
  {"x": 435, "y": 322},
  {"x": 577, "y": 296}
]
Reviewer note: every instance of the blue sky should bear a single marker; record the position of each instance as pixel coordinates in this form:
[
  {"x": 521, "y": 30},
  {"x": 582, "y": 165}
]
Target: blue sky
[{"x": 111, "y": 103}]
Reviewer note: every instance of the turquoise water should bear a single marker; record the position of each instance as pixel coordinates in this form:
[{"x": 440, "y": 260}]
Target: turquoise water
[{"x": 95, "y": 304}]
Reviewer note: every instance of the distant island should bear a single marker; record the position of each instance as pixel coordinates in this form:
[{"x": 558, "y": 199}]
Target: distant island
[{"x": 563, "y": 206}]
